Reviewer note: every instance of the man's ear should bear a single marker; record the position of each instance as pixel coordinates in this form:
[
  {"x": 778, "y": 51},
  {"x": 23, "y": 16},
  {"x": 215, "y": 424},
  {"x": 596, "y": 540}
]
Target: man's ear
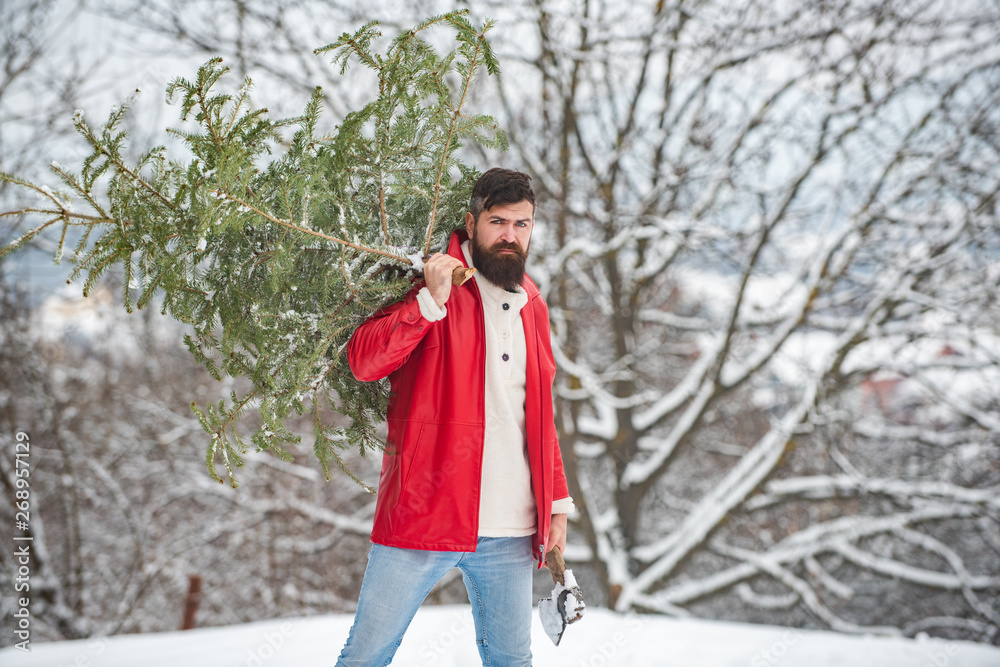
[{"x": 470, "y": 223}]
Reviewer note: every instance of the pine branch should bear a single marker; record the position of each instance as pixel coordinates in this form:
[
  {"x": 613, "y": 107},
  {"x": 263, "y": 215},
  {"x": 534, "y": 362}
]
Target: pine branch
[
  {"x": 470, "y": 69},
  {"x": 274, "y": 261},
  {"x": 311, "y": 232}
]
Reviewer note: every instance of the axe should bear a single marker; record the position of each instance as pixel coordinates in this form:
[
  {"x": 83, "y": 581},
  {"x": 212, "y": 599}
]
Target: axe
[{"x": 565, "y": 603}]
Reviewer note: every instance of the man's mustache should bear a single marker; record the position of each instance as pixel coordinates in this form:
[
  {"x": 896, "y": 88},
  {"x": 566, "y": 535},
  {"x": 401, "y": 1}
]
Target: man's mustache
[{"x": 508, "y": 245}]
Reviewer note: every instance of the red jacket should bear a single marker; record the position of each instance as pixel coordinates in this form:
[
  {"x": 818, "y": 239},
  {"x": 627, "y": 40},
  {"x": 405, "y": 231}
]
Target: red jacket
[{"x": 428, "y": 492}]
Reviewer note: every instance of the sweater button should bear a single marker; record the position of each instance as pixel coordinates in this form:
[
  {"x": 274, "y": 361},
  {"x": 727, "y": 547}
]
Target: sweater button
[
  {"x": 505, "y": 357},
  {"x": 410, "y": 317},
  {"x": 506, "y": 306}
]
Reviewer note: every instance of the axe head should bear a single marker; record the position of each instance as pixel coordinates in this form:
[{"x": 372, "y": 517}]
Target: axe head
[{"x": 565, "y": 604}]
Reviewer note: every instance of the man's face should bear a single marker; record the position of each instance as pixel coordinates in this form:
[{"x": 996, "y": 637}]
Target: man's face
[{"x": 500, "y": 240}]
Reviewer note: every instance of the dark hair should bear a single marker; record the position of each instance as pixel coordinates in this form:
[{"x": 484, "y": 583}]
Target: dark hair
[{"x": 500, "y": 186}]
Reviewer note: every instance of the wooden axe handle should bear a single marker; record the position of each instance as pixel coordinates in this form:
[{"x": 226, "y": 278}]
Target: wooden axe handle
[
  {"x": 460, "y": 275},
  {"x": 557, "y": 566}
]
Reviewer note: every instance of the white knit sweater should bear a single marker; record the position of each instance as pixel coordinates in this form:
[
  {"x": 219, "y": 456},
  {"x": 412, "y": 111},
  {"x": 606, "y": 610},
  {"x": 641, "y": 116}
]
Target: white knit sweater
[{"x": 506, "y": 502}]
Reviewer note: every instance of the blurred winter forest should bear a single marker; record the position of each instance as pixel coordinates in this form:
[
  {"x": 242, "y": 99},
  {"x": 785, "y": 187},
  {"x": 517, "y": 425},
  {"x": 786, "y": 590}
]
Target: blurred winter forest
[{"x": 768, "y": 235}]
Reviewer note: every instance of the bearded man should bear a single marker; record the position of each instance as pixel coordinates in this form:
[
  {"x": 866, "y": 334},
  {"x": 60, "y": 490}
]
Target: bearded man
[{"x": 472, "y": 476}]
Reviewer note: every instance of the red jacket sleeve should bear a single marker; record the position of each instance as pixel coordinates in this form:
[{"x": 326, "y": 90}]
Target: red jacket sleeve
[
  {"x": 385, "y": 340},
  {"x": 560, "y": 489}
]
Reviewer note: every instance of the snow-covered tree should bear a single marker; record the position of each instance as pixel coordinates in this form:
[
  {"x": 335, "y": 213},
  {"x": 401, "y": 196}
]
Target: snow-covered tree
[
  {"x": 38, "y": 92},
  {"x": 751, "y": 215},
  {"x": 123, "y": 511}
]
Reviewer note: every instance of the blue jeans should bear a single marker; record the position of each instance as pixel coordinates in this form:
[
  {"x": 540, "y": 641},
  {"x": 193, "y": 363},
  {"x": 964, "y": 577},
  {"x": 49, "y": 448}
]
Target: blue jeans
[{"x": 497, "y": 576}]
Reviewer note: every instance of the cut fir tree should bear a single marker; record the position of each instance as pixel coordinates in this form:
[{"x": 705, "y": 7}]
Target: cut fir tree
[{"x": 274, "y": 262}]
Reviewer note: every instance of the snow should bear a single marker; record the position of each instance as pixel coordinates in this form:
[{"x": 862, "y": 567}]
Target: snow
[
  {"x": 417, "y": 258},
  {"x": 550, "y": 618},
  {"x": 444, "y": 636},
  {"x": 573, "y": 606}
]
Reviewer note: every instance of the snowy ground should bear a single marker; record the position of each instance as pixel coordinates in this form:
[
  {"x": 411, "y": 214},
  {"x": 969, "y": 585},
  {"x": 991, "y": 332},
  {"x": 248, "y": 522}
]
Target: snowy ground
[{"x": 443, "y": 636}]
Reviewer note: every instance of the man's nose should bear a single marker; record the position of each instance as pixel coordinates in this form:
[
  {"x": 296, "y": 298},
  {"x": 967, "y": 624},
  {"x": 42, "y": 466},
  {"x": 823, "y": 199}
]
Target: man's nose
[{"x": 508, "y": 234}]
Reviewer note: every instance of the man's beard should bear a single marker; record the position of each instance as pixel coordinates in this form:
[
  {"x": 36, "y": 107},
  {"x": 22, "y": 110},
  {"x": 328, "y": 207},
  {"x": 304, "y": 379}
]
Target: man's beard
[{"x": 503, "y": 270}]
